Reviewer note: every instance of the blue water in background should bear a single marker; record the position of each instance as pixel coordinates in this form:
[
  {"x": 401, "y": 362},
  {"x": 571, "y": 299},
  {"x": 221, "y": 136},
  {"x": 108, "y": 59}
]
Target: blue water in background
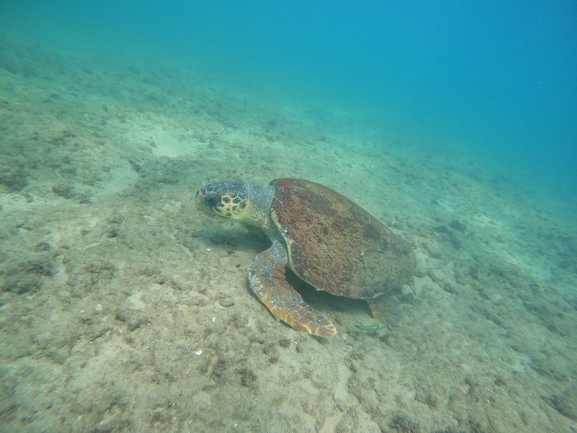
[{"x": 497, "y": 78}]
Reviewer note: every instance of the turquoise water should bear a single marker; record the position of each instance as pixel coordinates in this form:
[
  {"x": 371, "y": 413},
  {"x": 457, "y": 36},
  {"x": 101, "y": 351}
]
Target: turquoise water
[
  {"x": 123, "y": 308},
  {"x": 495, "y": 79}
]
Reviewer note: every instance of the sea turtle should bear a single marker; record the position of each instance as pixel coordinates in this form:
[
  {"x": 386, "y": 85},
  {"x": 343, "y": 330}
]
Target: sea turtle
[{"x": 326, "y": 239}]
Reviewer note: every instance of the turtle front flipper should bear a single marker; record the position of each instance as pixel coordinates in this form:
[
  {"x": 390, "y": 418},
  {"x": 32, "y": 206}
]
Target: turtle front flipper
[{"x": 267, "y": 280}]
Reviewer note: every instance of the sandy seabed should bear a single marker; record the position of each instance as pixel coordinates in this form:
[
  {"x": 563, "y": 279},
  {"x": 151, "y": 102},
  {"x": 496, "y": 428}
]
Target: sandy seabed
[{"x": 123, "y": 309}]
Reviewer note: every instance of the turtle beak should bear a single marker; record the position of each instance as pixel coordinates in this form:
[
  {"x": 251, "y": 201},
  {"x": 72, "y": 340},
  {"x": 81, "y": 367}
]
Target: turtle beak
[
  {"x": 207, "y": 202},
  {"x": 198, "y": 201}
]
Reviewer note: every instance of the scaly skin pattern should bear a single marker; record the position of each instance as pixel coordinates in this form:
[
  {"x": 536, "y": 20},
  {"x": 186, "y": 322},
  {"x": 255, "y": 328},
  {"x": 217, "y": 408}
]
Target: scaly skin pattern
[{"x": 267, "y": 280}]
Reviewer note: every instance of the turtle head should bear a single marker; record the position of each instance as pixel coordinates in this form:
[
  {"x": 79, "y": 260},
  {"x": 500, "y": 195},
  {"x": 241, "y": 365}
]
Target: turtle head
[{"x": 228, "y": 199}]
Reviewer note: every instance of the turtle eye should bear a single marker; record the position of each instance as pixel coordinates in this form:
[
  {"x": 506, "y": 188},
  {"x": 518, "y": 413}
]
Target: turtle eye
[{"x": 213, "y": 201}]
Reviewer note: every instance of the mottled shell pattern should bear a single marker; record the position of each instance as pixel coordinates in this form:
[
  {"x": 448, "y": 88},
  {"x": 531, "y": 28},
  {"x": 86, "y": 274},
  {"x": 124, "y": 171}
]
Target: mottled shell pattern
[{"x": 337, "y": 246}]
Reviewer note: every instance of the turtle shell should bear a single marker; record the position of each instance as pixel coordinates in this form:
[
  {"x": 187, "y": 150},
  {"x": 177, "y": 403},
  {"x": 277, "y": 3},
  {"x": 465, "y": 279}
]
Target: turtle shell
[{"x": 337, "y": 246}]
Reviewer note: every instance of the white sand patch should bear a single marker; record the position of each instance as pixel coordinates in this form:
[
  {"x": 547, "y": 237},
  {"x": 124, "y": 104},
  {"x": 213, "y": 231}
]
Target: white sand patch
[
  {"x": 163, "y": 141},
  {"x": 134, "y": 301},
  {"x": 117, "y": 179}
]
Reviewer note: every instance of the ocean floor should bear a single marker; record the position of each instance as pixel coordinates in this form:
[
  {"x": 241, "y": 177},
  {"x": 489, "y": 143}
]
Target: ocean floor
[{"x": 123, "y": 308}]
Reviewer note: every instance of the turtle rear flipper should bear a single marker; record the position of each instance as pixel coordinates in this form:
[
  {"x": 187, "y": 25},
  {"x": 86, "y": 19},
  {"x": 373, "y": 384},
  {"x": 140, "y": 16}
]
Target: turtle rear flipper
[
  {"x": 375, "y": 311},
  {"x": 267, "y": 280}
]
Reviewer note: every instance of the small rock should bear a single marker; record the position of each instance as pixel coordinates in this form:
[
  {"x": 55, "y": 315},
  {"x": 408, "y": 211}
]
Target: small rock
[{"x": 226, "y": 303}]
